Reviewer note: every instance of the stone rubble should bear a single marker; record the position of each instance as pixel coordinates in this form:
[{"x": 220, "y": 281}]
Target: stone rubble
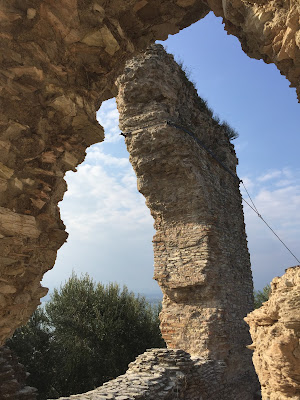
[{"x": 161, "y": 374}]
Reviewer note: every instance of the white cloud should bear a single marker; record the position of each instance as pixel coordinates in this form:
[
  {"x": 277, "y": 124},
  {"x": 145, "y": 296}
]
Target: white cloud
[
  {"x": 110, "y": 228},
  {"x": 274, "y": 174},
  {"x": 279, "y": 205},
  {"x": 269, "y": 175},
  {"x": 96, "y": 197},
  {"x": 95, "y": 154},
  {"x": 108, "y": 117}
]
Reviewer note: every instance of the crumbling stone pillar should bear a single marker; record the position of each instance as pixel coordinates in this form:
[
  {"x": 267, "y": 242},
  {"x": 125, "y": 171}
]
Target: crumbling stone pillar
[
  {"x": 59, "y": 59},
  {"x": 275, "y": 331},
  {"x": 200, "y": 248}
]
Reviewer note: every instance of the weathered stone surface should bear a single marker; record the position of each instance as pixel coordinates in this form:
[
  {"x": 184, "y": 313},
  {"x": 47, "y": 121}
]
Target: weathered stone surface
[
  {"x": 161, "y": 374},
  {"x": 275, "y": 331},
  {"x": 267, "y": 30},
  {"x": 200, "y": 247},
  {"x": 59, "y": 60},
  {"x": 13, "y": 378}
]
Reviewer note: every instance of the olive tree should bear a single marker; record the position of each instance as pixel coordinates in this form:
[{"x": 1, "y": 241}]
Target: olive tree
[{"x": 92, "y": 331}]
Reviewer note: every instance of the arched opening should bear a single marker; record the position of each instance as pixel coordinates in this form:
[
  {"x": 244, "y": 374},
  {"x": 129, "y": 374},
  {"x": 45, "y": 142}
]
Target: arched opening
[
  {"x": 110, "y": 227},
  {"x": 256, "y": 100},
  {"x": 102, "y": 157},
  {"x": 56, "y": 100}
]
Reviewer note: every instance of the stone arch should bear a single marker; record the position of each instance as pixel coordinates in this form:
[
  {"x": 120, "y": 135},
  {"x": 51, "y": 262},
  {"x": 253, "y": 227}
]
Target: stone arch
[{"x": 59, "y": 60}]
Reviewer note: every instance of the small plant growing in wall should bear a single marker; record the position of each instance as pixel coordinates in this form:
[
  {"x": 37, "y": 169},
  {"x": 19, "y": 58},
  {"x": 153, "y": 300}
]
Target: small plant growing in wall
[{"x": 230, "y": 132}]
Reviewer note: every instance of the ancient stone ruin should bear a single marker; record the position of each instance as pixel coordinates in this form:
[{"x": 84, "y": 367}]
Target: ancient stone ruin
[
  {"x": 59, "y": 61},
  {"x": 161, "y": 374},
  {"x": 275, "y": 331},
  {"x": 173, "y": 374},
  {"x": 200, "y": 247}
]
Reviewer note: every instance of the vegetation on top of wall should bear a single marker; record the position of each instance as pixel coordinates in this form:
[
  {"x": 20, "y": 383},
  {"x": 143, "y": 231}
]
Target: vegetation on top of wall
[{"x": 230, "y": 132}]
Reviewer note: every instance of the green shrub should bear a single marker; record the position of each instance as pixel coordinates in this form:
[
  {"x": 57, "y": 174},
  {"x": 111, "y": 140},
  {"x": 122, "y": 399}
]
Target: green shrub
[{"x": 85, "y": 335}]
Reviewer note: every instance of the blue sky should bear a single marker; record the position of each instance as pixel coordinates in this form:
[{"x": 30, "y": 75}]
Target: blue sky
[{"x": 110, "y": 228}]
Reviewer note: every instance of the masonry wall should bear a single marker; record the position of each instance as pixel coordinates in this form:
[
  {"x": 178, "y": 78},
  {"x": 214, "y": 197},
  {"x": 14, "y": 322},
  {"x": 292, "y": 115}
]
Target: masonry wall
[
  {"x": 200, "y": 248},
  {"x": 59, "y": 60},
  {"x": 161, "y": 374},
  {"x": 275, "y": 331},
  {"x": 174, "y": 374}
]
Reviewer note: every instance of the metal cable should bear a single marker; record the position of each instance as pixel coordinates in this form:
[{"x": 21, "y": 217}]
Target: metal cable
[
  {"x": 234, "y": 176},
  {"x": 256, "y": 210},
  {"x": 259, "y": 215}
]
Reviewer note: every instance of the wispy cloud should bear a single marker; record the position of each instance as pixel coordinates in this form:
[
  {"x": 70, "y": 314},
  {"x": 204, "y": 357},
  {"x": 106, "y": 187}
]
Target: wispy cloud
[
  {"x": 110, "y": 228},
  {"x": 278, "y": 201},
  {"x": 108, "y": 117},
  {"x": 96, "y": 198},
  {"x": 284, "y": 173},
  {"x": 95, "y": 154},
  {"x": 269, "y": 175}
]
